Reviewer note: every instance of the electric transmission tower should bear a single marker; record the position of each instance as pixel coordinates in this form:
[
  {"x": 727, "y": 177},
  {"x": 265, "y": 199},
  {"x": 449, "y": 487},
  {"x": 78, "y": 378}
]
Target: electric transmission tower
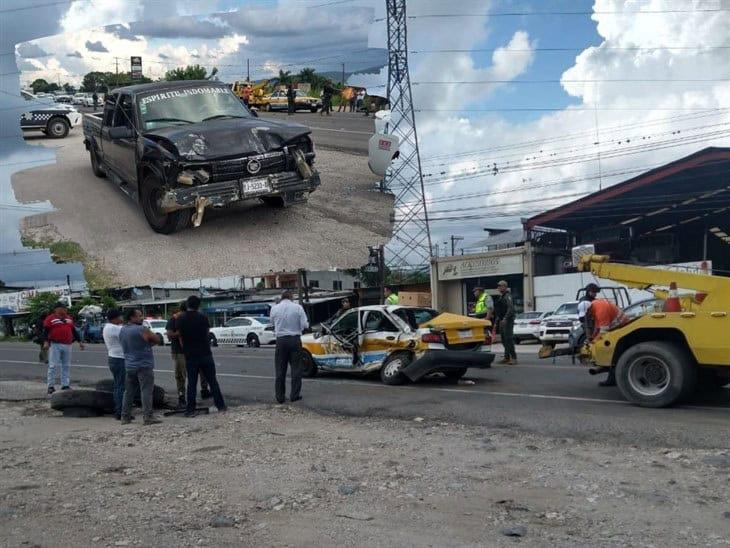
[{"x": 410, "y": 247}]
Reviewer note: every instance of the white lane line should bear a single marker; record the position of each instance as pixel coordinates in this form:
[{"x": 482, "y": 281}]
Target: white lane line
[{"x": 421, "y": 388}]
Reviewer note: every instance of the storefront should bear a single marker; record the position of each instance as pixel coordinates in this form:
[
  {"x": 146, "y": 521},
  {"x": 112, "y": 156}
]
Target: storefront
[{"x": 454, "y": 278}]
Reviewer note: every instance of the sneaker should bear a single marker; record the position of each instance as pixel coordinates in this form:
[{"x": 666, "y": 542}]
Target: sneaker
[
  {"x": 296, "y": 399},
  {"x": 190, "y": 414},
  {"x": 205, "y": 394},
  {"x": 65, "y": 388},
  {"x": 151, "y": 420},
  {"x": 51, "y": 390},
  {"x": 181, "y": 402},
  {"x": 513, "y": 361},
  {"x": 505, "y": 361},
  {"x": 126, "y": 420},
  {"x": 223, "y": 410}
]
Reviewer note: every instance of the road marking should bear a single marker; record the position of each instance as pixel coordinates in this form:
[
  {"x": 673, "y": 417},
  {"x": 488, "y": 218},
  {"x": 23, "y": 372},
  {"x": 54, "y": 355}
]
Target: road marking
[{"x": 372, "y": 385}]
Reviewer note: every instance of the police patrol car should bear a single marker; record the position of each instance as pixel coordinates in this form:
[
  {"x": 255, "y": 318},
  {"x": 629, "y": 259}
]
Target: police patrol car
[{"x": 55, "y": 120}]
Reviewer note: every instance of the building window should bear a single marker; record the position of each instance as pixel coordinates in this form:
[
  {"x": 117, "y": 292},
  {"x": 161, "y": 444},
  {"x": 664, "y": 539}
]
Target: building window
[
  {"x": 167, "y": 293},
  {"x": 356, "y": 285},
  {"x": 337, "y": 285},
  {"x": 313, "y": 283}
]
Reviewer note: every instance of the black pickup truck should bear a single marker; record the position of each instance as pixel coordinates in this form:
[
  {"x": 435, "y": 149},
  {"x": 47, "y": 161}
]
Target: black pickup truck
[{"x": 179, "y": 147}]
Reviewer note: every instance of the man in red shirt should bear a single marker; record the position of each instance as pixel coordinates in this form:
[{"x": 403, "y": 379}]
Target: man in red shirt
[{"x": 61, "y": 334}]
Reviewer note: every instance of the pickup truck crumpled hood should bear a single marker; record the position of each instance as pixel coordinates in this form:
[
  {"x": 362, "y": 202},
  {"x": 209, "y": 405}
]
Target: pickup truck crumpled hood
[{"x": 228, "y": 137}]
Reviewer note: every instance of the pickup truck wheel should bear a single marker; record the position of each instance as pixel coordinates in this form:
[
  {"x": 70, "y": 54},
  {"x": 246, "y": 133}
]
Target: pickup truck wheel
[
  {"x": 161, "y": 222},
  {"x": 57, "y": 127},
  {"x": 391, "y": 372},
  {"x": 313, "y": 110},
  {"x": 307, "y": 365},
  {"x": 213, "y": 340},
  {"x": 656, "y": 374},
  {"x": 253, "y": 341},
  {"x": 95, "y": 167},
  {"x": 268, "y": 108}
]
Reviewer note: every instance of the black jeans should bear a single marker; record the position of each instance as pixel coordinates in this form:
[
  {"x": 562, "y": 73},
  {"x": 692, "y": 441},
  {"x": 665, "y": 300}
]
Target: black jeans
[
  {"x": 287, "y": 349},
  {"x": 508, "y": 340},
  {"x": 206, "y": 366}
]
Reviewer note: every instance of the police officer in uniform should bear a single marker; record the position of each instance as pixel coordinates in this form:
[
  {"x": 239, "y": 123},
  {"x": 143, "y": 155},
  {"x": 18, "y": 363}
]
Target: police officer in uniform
[
  {"x": 483, "y": 306},
  {"x": 391, "y": 295}
]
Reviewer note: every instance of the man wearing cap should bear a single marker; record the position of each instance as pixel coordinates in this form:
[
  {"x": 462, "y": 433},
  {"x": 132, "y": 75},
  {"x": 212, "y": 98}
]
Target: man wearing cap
[
  {"x": 484, "y": 304},
  {"x": 60, "y": 335},
  {"x": 289, "y": 321},
  {"x": 504, "y": 311}
]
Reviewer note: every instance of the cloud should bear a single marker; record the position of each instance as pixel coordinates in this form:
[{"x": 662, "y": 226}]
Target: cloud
[
  {"x": 163, "y": 56},
  {"x": 25, "y": 65},
  {"x": 30, "y": 50},
  {"x": 123, "y": 32},
  {"x": 75, "y": 53},
  {"x": 96, "y": 46},
  {"x": 181, "y": 27}
]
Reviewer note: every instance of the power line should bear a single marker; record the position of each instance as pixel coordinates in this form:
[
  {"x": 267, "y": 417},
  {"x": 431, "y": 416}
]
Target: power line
[
  {"x": 567, "y": 13},
  {"x": 573, "y": 81},
  {"x": 570, "y": 49}
]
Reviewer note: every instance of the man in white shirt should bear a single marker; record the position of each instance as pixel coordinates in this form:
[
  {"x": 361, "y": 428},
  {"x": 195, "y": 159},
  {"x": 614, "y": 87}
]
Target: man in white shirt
[
  {"x": 116, "y": 357},
  {"x": 289, "y": 321}
]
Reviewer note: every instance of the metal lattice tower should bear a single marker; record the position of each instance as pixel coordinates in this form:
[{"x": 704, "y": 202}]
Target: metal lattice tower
[{"x": 410, "y": 247}]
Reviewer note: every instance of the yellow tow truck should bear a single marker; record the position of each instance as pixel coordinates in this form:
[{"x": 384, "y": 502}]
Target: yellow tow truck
[{"x": 663, "y": 356}]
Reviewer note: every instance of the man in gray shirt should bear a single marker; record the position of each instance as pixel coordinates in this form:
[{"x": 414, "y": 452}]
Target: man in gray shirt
[
  {"x": 289, "y": 321},
  {"x": 139, "y": 363}
]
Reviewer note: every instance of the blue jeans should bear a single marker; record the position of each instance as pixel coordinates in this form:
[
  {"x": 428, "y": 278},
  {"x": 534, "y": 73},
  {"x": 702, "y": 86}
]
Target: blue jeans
[
  {"x": 116, "y": 366},
  {"x": 59, "y": 356}
]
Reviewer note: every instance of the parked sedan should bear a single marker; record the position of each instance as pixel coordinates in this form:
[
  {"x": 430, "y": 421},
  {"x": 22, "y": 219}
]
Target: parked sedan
[
  {"x": 250, "y": 331},
  {"x": 527, "y": 326},
  {"x": 399, "y": 343},
  {"x": 158, "y": 327}
]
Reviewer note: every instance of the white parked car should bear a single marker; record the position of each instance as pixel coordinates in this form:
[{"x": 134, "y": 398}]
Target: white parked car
[
  {"x": 557, "y": 327},
  {"x": 78, "y": 99},
  {"x": 244, "y": 330},
  {"x": 527, "y": 326},
  {"x": 157, "y": 326}
]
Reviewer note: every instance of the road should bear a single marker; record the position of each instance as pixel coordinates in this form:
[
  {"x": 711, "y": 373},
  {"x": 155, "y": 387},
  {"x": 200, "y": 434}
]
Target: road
[
  {"x": 558, "y": 400},
  {"x": 344, "y": 131}
]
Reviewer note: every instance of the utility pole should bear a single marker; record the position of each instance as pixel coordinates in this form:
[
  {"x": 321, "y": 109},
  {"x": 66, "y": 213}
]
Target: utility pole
[
  {"x": 248, "y": 70},
  {"x": 455, "y": 239},
  {"x": 343, "y": 74},
  {"x": 410, "y": 247},
  {"x": 116, "y": 71}
]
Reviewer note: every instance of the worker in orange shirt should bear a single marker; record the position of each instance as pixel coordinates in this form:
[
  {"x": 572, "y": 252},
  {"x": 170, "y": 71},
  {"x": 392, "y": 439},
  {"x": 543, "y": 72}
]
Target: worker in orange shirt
[{"x": 604, "y": 314}]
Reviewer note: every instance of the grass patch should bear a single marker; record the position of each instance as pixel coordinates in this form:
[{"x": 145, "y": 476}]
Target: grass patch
[{"x": 67, "y": 251}]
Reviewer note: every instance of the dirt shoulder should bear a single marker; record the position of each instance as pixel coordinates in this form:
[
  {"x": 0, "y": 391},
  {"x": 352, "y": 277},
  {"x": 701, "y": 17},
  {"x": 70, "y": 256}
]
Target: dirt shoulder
[
  {"x": 342, "y": 218},
  {"x": 282, "y": 476}
]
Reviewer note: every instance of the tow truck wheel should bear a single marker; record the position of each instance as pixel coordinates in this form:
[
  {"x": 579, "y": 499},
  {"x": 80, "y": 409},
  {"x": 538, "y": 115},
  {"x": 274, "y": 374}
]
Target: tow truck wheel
[
  {"x": 253, "y": 341},
  {"x": 391, "y": 372},
  {"x": 656, "y": 374},
  {"x": 57, "y": 128},
  {"x": 95, "y": 167},
  {"x": 268, "y": 108},
  {"x": 161, "y": 222},
  {"x": 213, "y": 340},
  {"x": 307, "y": 365}
]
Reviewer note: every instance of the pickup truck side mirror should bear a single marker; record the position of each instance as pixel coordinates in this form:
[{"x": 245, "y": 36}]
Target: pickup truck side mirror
[
  {"x": 121, "y": 132},
  {"x": 254, "y": 113}
]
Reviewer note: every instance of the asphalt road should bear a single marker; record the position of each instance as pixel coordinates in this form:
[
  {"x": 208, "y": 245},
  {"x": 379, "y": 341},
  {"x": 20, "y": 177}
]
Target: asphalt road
[
  {"x": 344, "y": 131},
  {"x": 558, "y": 400}
]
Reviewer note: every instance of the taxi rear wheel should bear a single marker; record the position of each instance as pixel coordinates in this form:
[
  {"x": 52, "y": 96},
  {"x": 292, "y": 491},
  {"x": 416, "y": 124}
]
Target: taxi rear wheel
[
  {"x": 392, "y": 370},
  {"x": 307, "y": 365}
]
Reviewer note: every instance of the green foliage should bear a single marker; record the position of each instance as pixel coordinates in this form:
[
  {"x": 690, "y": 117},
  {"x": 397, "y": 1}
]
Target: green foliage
[
  {"x": 39, "y": 85},
  {"x": 190, "y": 72},
  {"x": 285, "y": 77},
  {"x": 68, "y": 88},
  {"x": 79, "y": 304},
  {"x": 106, "y": 81},
  {"x": 40, "y": 306}
]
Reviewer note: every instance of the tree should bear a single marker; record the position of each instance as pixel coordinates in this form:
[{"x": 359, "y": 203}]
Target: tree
[
  {"x": 39, "y": 85},
  {"x": 40, "y": 305},
  {"x": 190, "y": 72},
  {"x": 68, "y": 88},
  {"x": 96, "y": 81},
  {"x": 285, "y": 77}
]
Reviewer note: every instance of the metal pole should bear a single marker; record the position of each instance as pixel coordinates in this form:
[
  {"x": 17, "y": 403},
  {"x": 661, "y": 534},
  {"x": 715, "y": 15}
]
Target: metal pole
[
  {"x": 248, "y": 70},
  {"x": 381, "y": 272},
  {"x": 343, "y": 74}
]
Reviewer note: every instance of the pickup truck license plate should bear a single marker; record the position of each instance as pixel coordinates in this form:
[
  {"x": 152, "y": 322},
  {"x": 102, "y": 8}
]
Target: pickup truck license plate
[
  {"x": 256, "y": 187},
  {"x": 465, "y": 334}
]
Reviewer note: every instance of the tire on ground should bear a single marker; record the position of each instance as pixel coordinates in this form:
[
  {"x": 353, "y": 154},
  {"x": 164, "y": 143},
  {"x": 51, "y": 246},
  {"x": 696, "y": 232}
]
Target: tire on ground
[
  {"x": 680, "y": 364},
  {"x": 390, "y": 372},
  {"x": 93, "y": 399},
  {"x": 95, "y": 167},
  {"x": 307, "y": 365},
  {"x": 158, "y": 393},
  {"x": 453, "y": 375},
  {"x": 82, "y": 412}
]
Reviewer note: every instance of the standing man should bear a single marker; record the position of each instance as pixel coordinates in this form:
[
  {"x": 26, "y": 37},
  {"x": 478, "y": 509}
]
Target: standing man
[
  {"x": 178, "y": 358},
  {"x": 115, "y": 354},
  {"x": 40, "y": 338},
  {"x": 61, "y": 334},
  {"x": 504, "y": 310},
  {"x": 484, "y": 305},
  {"x": 603, "y": 314},
  {"x": 327, "y": 94},
  {"x": 247, "y": 95},
  {"x": 193, "y": 330},
  {"x": 391, "y": 295},
  {"x": 139, "y": 362},
  {"x": 290, "y": 95},
  {"x": 289, "y": 321},
  {"x": 95, "y": 99},
  {"x": 360, "y": 100}
]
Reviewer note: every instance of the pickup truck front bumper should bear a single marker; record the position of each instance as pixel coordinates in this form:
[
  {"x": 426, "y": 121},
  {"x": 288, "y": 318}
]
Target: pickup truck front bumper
[{"x": 289, "y": 185}]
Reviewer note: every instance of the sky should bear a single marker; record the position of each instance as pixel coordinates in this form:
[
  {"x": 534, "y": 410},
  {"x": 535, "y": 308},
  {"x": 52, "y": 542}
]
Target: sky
[{"x": 520, "y": 106}]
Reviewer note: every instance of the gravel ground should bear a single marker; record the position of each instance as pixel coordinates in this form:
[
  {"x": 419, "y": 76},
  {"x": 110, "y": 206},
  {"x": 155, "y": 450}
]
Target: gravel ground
[
  {"x": 342, "y": 218},
  {"x": 282, "y": 476}
]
